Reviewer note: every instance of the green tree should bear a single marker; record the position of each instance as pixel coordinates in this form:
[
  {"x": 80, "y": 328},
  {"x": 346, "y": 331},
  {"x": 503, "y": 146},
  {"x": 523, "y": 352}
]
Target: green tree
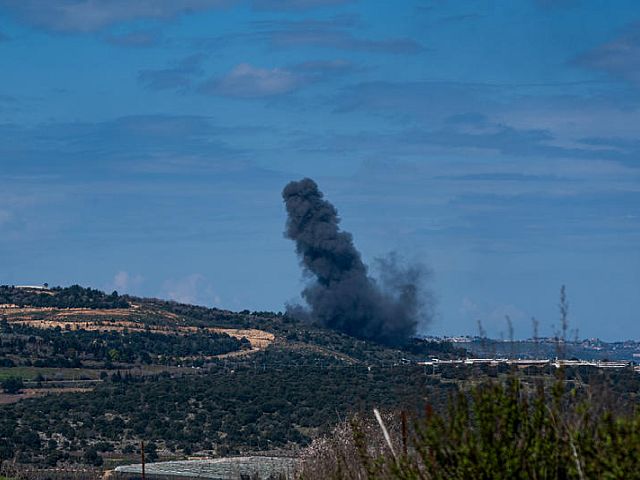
[
  {"x": 12, "y": 385},
  {"x": 92, "y": 457}
]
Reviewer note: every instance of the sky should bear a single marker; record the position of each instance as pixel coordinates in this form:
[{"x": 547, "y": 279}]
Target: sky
[{"x": 144, "y": 145}]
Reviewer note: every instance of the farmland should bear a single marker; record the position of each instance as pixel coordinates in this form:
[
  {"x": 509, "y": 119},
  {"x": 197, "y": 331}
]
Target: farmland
[
  {"x": 55, "y": 349},
  {"x": 120, "y": 320}
]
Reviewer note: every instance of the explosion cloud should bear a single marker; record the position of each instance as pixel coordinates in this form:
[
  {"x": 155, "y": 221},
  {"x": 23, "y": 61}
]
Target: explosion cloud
[{"x": 341, "y": 294}]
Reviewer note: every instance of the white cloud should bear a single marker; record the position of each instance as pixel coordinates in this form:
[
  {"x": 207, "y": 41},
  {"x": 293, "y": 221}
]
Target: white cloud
[
  {"x": 247, "y": 81},
  {"x": 92, "y": 15},
  {"x": 620, "y": 57},
  {"x": 192, "y": 289},
  {"x": 124, "y": 282},
  {"x": 494, "y": 317}
]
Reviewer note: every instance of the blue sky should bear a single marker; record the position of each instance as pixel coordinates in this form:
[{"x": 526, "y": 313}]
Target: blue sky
[{"x": 144, "y": 145}]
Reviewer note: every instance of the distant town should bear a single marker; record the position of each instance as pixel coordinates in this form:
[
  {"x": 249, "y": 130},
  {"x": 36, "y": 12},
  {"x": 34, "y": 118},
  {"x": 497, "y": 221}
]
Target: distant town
[{"x": 590, "y": 351}]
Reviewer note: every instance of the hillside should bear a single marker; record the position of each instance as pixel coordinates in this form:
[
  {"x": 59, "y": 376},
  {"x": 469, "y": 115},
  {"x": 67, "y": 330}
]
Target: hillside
[
  {"x": 97, "y": 373},
  {"x": 88, "y": 376},
  {"x": 77, "y": 315}
]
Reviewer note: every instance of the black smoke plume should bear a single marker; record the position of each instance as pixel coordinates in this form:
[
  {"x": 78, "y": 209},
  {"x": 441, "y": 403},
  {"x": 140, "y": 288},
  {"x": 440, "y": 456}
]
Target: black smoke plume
[{"x": 341, "y": 295}]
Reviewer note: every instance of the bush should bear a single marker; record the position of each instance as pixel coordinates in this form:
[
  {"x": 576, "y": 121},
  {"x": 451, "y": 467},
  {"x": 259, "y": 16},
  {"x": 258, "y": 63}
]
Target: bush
[
  {"x": 498, "y": 431},
  {"x": 7, "y": 363},
  {"x": 12, "y": 385},
  {"x": 92, "y": 457}
]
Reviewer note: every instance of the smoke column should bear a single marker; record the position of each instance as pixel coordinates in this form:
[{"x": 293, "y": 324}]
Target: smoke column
[{"x": 341, "y": 295}]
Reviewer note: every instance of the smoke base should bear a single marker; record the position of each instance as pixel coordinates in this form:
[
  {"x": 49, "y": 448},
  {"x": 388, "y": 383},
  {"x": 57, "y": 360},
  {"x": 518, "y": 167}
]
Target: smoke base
[{"x": 341, "y": 295}]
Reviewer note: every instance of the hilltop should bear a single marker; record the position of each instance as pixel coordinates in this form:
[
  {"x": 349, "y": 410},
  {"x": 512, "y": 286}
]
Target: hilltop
[{"x": 84, "y": 312}]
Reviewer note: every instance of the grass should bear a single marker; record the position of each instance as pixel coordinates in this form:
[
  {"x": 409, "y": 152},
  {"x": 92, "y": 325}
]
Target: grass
[
  {"x": 30, "y": 373},
  {"x": 51, "y": 373}
]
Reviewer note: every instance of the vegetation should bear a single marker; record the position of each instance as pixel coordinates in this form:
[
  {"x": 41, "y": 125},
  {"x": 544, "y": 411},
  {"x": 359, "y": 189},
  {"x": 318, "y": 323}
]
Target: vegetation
[
  {"x": 69, "y": 297},
  {"x": 61, "y": 348},
  {"x": 12, "y": 385},
  {"x": 275, "y": 399},
  {"x": 301, "y": 333},
  {"x": 279, "y": 399},
  {"x": 288, "y": 395},
  {"x": 497, "y": 431}
]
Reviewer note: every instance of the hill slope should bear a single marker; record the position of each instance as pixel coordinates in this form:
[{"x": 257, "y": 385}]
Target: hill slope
[{"x": 183, "y": 377}]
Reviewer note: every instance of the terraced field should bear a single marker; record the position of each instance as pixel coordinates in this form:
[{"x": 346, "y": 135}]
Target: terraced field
[{"x": 134, "y": 319}]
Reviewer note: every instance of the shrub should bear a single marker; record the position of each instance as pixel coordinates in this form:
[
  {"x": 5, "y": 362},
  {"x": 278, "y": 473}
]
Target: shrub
[
  {"x": 12, "y": 385},
  {"x": 92, "y": 457},
  {"x": 497, "y": 431}
]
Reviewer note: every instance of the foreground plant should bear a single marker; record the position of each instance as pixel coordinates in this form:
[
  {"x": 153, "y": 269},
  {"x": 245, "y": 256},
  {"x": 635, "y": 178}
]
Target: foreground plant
[{"x": 497, "y": 431}]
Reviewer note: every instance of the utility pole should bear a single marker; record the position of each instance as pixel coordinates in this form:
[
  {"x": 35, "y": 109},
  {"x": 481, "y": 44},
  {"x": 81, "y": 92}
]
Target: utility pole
[{"x": 142, "y": 454}]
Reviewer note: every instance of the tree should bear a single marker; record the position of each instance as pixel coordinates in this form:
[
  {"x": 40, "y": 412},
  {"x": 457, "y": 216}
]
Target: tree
[
  {"x": 92, "y": 457},
  {"x": 12, "y": 385},
  {"x": 151, "y": 452}
]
